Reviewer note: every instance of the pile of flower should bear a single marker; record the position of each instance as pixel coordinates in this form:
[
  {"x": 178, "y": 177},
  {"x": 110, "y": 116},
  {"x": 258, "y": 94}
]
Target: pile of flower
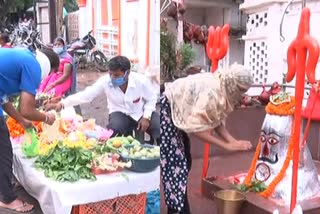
[
  {"x": 16, "y": 130},
  {"x": 70, "y": 149}
]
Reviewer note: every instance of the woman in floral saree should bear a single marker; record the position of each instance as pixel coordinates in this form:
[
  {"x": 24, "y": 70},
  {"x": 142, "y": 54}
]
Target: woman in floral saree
[{"x": 197, "y": 105}]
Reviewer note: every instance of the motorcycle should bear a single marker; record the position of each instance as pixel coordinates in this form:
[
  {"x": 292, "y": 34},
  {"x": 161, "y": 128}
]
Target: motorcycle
[
  {"x": 85, "y": 48},
  {"x": 30, "y": 39}
]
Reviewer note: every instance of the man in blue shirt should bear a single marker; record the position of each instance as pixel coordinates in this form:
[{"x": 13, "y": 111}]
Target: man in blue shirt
[{"x": 21, "y": 72}]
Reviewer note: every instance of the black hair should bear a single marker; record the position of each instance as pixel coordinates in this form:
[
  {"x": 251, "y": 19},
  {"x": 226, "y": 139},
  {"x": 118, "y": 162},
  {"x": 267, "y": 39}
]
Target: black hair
[
  {"x": 60, "y": 39},
  {"x": 5, "y": 37},
  {"x": 121, "y": 63},
  {"x": 53, "y": 58}
]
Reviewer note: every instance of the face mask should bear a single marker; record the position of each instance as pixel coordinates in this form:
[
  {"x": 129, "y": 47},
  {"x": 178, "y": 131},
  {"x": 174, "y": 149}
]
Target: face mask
[
  {"x": 119, "y": 81},
  {"x": 58, "y": 50}
]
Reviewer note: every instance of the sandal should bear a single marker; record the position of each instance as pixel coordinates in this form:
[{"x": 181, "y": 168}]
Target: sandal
[{"x": 16, "y": 209}]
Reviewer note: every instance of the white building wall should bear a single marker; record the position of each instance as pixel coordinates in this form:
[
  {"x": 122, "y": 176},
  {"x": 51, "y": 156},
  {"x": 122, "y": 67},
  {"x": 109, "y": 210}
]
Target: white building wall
[
  {"x": 85, "y": 18},
  {"x": 134, "y": 26},
  {"x": 130, "y": 40},
  {"x": 43, "y": 22},
  {"x": 89, "y": 15},
  {"x": 155, "y": 33},
  {"x": 217, "y": 16},
  {"x": 274, "y": 58},
  {"x": 134, "y": 22}
]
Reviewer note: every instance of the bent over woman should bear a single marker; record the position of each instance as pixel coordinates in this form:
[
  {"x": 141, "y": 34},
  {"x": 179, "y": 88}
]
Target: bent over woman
[{"x": 197, "y": 105}]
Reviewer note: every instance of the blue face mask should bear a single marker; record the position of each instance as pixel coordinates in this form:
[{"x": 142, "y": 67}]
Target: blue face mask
[
  {"x": 58, "y": 50},
  {"x": 119, "y": 81}
]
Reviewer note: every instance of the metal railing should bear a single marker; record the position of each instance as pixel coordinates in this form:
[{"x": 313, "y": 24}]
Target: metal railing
[
  {"x": 108, "y": 45},
  {"x": 283, "y": 85}
]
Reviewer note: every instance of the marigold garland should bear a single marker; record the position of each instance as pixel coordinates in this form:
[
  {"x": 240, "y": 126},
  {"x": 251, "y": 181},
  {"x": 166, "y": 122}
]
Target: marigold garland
[
  {"x": 248, "y": 178},
  {"x": 16, "y": 130},
  {"x": 284, "y": 109}
]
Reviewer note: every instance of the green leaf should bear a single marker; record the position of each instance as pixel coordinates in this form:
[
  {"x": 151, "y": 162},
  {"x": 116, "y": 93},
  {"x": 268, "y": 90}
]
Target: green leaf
[
  {"x": 242, "y": 187},
  {"x": 71, "y": 5},
  {"x": 188, "y": 55},
  {"x": 67, "y": 164},
  {"x": 168, "y": 52},
  {"x": 125, "y": 176},
  {"x": 256, "y": 189}
]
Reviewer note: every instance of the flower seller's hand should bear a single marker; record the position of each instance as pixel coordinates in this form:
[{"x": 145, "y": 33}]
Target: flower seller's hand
[
  {"x": 27, "y": 124},
  {"x": 143, "y": 124},
  {"x": 53, "y": 106}
]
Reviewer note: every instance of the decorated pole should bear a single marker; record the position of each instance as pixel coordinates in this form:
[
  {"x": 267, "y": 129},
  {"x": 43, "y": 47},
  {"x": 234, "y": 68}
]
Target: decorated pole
[
  {"x": 299, "y": 65},
  {"x": 216, "y": 48},
  {"x": 217, "y": 45}
]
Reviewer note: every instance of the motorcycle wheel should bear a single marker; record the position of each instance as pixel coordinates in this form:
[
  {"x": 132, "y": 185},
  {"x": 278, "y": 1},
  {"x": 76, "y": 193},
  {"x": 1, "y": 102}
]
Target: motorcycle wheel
[{"x": 99, "y": 60}]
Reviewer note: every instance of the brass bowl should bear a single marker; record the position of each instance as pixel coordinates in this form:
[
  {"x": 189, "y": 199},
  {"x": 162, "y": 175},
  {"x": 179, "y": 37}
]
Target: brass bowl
[{"x": 229, "y": 201}]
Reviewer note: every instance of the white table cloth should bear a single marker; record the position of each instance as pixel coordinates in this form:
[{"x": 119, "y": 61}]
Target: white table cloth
[{"x": 55, "y": 197}]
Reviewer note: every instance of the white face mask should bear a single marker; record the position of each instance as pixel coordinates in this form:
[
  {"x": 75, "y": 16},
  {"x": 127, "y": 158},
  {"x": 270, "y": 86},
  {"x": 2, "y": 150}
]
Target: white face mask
[{"x": 58, "y": 50}]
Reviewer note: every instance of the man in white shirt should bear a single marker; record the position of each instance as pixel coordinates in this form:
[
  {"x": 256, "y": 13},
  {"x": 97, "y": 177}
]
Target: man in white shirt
[{"x": 131, "y": 99}]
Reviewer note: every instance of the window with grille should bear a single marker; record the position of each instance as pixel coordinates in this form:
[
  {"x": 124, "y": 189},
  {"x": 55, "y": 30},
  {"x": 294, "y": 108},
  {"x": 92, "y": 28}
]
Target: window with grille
[
  {"x": 257, "y": 21},
  {"x": 258, "y": 61}
]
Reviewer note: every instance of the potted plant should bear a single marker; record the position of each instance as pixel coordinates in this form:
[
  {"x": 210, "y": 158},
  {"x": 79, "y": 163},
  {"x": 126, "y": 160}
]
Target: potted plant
[
  {"x": 174, "y": 60},
  {"x": 167, "y": 55},
  {"x": 185, "y": 57}
]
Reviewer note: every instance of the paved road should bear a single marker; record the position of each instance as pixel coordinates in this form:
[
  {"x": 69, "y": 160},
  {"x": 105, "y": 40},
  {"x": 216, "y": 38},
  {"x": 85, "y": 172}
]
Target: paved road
[{"x": 98, "y": 107}]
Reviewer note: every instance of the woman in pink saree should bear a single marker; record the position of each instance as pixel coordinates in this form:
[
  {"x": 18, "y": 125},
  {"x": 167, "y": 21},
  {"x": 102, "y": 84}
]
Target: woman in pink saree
[{"x": 60, "y": 81}]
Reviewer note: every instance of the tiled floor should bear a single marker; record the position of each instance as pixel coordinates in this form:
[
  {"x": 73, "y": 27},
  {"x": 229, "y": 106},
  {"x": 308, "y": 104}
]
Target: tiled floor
[
  {"x": 224, "y": 166},
  {"x": 219, "y": 167}
]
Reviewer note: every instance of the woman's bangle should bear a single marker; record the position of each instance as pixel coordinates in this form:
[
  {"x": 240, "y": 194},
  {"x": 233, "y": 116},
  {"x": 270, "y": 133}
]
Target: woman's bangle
[{"x": 46, "y": 120}]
